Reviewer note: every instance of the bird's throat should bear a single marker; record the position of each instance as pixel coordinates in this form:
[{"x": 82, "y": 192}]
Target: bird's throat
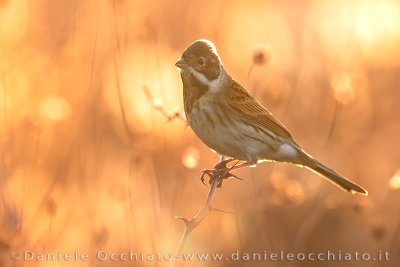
[{"x": 193, "y": 90}]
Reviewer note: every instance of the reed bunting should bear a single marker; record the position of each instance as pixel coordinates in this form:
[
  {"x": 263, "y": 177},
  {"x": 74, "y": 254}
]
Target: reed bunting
[{"x": 229, "y": 120}]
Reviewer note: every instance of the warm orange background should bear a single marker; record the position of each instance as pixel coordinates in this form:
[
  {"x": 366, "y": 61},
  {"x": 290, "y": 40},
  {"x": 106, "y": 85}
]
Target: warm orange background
[{"x": 74, "y": 176}]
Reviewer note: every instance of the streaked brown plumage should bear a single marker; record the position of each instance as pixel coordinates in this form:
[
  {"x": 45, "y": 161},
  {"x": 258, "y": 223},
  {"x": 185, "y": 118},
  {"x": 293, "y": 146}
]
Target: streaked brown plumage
[{"x": 230, "y": 121}]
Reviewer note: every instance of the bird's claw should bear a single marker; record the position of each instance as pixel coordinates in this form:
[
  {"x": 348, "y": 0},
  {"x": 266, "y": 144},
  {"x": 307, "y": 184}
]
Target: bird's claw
[
  {"x": 219, "y": 173},
  {"x": 208, "y": 172}
]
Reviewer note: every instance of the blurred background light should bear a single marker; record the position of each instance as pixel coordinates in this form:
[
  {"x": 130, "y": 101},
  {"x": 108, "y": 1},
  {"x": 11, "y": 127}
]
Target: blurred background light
[
  {"x": 54, "y": 108},
  {"x": 394, "y": 182},
  {"x": 191, "y": 157}
]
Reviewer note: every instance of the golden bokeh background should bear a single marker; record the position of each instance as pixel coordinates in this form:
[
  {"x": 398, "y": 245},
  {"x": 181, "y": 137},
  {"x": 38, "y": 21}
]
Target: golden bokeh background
[{"x": 87, "y": 163}]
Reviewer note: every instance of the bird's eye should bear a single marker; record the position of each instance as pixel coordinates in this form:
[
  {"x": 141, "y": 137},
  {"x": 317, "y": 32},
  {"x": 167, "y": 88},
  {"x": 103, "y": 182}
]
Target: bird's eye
[{"x": 201, "y": 61}]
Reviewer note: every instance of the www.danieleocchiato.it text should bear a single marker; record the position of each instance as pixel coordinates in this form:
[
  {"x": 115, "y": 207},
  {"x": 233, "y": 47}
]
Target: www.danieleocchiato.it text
[{"x": 130, "y": 255}]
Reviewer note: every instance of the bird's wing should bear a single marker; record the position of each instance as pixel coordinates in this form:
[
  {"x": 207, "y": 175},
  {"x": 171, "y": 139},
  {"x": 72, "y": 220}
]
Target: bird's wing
[{"x": 241, "y": 101}]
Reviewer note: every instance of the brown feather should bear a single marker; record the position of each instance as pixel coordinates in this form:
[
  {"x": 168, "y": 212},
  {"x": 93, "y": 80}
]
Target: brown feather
[{"x": 240, "y": 100}]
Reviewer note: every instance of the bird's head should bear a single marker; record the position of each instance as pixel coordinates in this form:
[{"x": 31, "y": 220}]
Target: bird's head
[{"x": 202, "y": 60}]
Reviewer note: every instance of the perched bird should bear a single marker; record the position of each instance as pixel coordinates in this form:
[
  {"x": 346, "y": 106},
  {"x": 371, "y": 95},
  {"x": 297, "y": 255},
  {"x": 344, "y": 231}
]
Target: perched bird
[{"x": 230, "y": 121}]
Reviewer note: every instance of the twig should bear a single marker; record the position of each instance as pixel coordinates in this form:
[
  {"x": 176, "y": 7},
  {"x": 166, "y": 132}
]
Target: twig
[
  {"x": 158, "y": 106},
  {"x": 216, "y": 175},
  {"x": 198, "y": 217}
]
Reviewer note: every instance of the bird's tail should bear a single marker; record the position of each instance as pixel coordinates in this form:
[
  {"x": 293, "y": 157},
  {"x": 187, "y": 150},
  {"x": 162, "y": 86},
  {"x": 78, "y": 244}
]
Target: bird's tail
[{"x": 334, "y": 177}]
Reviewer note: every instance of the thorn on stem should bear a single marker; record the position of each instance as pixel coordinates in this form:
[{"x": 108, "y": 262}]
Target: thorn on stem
[
  {"x": 220, "y": 210},
  {"x": 186, "y": 221}
]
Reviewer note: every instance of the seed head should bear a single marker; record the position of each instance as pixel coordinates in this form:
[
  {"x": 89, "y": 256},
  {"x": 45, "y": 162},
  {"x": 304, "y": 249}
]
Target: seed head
[{"x": 261, "y": 55}]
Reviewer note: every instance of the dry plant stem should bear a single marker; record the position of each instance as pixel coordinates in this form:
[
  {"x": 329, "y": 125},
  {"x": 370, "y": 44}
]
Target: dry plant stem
[
  {"x": 199, "y": 216},
  {"x": 248, "y": 78},
  {"x": 170, "y": 116},
  {"x": 219, "y": 173}
]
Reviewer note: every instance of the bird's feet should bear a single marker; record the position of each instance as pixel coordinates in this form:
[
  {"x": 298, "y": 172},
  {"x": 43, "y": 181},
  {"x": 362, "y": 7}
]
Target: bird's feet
[{"x": 221, "y": 172}]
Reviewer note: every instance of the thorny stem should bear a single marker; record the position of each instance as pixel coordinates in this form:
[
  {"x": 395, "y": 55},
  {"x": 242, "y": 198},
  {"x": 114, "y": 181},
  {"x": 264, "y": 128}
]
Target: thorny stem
[
  {"x": 218, "y": 174},
  {"x": 192, "y": 223}
]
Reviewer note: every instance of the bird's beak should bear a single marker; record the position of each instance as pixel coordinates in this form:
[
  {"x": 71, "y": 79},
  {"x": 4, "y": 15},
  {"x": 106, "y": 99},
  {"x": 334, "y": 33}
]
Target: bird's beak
[{"x": 181, "y": 63}]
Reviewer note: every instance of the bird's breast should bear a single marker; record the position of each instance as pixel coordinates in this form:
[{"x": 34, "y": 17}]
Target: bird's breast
[{"x": 215, "y": 125}]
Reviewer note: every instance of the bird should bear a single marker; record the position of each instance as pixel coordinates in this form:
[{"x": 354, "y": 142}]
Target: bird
[{"x": 230, "y": 121}]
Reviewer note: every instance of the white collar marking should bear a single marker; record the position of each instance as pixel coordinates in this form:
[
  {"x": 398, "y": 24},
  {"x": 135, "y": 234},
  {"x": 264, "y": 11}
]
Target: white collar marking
[{"x": 214, "y": 85}]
